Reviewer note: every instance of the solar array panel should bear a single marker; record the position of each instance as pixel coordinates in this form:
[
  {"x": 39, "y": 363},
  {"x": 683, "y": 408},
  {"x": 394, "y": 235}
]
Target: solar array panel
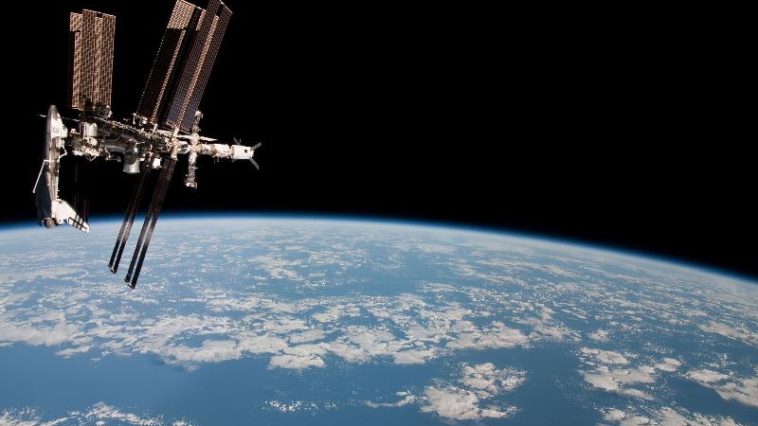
[
  {"x": 183, "y": 64},
  {"x": 91, "y": 36},
  {"x": 175, "y": 43}
]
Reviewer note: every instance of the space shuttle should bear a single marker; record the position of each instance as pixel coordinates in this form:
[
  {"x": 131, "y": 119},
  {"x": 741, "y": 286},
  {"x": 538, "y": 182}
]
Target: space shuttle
[{"x": 51, "y": 210}]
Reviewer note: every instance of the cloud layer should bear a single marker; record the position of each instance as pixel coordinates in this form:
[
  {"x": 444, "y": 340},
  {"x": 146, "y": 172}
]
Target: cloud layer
[
  {"x": 664, "y": 416},
  {"x": 610, "y": 371},
  {"x": 97, "y": 415},
  {"x": 305, "y": 296},
  {"x": 741, "y": 389}
]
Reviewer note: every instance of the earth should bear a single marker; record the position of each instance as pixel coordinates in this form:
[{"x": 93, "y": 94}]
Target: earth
[{"x": 252, "y": 320}]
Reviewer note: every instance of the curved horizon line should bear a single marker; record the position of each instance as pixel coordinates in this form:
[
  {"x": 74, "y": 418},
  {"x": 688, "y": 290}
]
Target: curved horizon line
[{"x": 590, "y": 245}]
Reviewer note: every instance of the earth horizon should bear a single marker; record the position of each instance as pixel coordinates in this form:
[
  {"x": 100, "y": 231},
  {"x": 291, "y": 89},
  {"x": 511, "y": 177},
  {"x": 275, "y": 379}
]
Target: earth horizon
[{"x": 276, "y": 320}]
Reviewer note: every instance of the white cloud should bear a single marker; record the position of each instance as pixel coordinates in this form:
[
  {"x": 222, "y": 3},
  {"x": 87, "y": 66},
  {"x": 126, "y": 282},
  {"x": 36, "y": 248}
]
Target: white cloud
[
  {"x": 209, "y": 351},
  {"x": 57, "y": 334},
  {"x": 743, "y": 390},
  {"x": 497, "y": 335},
  {"x": 278, "y": 267},
  {"x": 348, "y": 352},
  {"x": 664, "y": 416},
  {"x": 335, "y": 312},
  {"x": 292, "y": 406},
  {"x": 24, "y": 417},
  {"x": 486, "y": 380},
  {"x": 39, "y": 273},
  {"x": 295, "y": 362},
  {"x": 439, "y": 288},
  {"x": 619, "y": 380},
  {"x": 546, "y": 327},
  {"x": 599, "y": 335},
  {"x": 467, "y": 400},
  {"x": 307, "y": 336},
  {"x": 669, "y": 365},
  {"x": 58, "y": 421},
  {"x": 604, "y": 357},
  {"x": 706, "y": 376},
  {"x": 607, "y": 374},
  {"x": 285, "y": 325},
  {"x": 103, "y": 411},
  {"x": 614, "y": 415},
  {"x": 361, "y": 344},
  {"x": 405, "y": 399},
  {"x": 459, "y": 404},
  {"x": 433, "y": 332},
  {"x": 98, "y": 414},
  {"x": 443, "y": 313},
  {"x": 414, "y": 356},
  {"x": 73, "y": 351},
  {"x": 737, "y": 333},
  {"x": 307, "y": 349},
  {"x": 261, "y": 344}
]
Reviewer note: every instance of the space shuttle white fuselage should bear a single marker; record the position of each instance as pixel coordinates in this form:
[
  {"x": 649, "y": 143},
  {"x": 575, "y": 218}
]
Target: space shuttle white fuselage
[{"x": 51, "y": 210}]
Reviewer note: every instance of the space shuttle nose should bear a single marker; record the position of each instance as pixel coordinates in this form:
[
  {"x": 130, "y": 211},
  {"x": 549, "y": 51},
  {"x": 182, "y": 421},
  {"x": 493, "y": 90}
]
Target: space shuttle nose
[{"x": 52, "y": 112}]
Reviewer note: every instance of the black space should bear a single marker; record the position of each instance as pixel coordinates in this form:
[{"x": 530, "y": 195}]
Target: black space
[{"x": 520, "y": 120}]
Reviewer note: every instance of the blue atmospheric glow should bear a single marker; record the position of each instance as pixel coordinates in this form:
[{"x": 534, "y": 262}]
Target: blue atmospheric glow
[{"x": 288, "y": 216}]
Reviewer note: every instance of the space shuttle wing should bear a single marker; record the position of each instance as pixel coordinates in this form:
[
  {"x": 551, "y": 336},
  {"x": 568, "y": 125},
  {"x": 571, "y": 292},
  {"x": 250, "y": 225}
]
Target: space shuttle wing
[{"x": 62, "y": 212}]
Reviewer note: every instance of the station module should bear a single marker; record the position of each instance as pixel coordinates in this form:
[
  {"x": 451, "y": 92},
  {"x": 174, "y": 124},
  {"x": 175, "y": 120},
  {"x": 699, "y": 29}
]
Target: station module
[{"x": 163, "y": 129}]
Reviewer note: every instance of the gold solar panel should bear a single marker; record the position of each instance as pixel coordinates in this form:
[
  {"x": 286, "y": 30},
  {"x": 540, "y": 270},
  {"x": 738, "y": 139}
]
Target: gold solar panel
[
  {"x": 183, "y": 64},
  {"x": 162, "y": 78},
  {"x": 91, "y": 36}
]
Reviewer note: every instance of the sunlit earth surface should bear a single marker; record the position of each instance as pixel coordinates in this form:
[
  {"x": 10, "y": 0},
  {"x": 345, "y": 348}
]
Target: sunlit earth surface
[{"x": 291, "y": 321}]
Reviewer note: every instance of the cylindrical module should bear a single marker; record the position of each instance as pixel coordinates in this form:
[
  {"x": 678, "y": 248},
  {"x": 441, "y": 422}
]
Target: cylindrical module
[
  {"x": 217, "y": 150},
  {"x": 189, "y": 178},
  {"x": 131, "y": 160}
]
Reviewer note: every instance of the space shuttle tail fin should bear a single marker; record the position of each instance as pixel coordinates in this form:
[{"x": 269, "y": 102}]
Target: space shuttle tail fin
[{"x": 64, "y": 213}]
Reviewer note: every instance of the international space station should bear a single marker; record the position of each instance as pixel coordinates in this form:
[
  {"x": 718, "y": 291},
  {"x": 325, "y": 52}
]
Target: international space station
[{"x": 164, "y": 126}]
